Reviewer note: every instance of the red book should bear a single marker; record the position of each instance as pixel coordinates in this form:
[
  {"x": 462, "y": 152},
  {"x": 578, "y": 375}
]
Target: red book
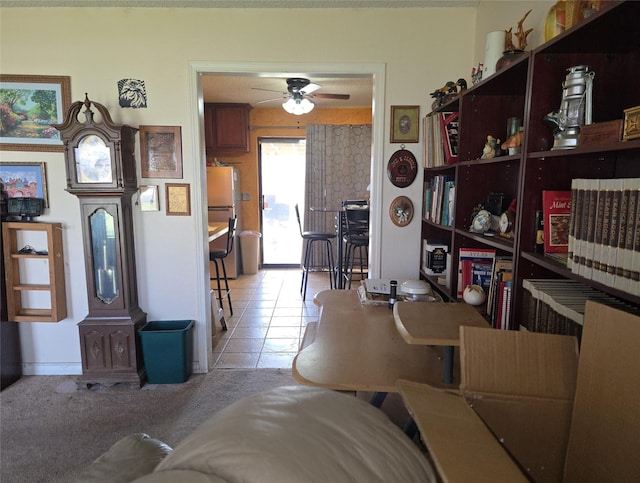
[
  {"x": 449, "y": 127},
  {"x": 556, "y": 207}
]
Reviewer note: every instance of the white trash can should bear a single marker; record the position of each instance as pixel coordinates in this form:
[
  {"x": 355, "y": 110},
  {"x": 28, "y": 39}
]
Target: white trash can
[{"x": 250, "y": 247}]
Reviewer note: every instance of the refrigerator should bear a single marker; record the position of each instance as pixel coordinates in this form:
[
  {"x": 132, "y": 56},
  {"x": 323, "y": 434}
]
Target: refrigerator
[{"x": 223, "y": 202}]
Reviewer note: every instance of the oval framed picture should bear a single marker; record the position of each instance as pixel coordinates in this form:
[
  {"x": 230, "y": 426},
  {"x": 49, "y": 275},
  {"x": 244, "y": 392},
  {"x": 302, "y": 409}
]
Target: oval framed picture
[
  {"x": 401, "y": 211},
  {"x": 402, "y": 168}
]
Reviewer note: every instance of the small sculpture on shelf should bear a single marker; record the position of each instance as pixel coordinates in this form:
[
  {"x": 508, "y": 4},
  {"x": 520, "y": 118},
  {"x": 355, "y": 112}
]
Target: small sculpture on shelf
[
  {"x": 513, "y": 144},
  {"x": 511, "y": 51},
  {"x": 445, "y": 93},
  {"x": 491, "y": 148},
  {"x": 476, "y": 73}
]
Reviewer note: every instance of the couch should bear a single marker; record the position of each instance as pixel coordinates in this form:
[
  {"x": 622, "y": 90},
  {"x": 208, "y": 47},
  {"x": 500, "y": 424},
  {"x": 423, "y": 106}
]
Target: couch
[{"x": 288, "y": 434}]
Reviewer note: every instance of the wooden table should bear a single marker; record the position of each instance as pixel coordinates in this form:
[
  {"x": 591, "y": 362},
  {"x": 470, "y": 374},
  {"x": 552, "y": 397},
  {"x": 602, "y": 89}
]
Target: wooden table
[
  {"x": 358, "y": 348},
  {"x": 436, "y": 324},
  {"x": 217, "y": 229}
]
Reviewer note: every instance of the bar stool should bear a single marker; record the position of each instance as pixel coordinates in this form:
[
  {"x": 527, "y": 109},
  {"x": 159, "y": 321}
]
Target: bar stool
[
  {"x": 217, "y": 256},
  {"x": 311, "y": 237},
  {"x": 356, "y": 241}
]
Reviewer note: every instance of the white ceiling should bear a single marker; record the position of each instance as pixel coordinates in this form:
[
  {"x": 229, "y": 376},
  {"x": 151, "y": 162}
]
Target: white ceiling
[{"x": 241, "y": 3}]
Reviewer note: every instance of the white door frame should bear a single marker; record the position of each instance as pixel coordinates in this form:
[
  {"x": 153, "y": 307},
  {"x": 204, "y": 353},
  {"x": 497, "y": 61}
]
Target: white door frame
[{"x": 196, "y": 70}]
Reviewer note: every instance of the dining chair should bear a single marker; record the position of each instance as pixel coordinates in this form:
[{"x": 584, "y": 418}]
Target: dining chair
[
  {"x": 309, "y": 238},
  {"x": 217, "y": 256}
]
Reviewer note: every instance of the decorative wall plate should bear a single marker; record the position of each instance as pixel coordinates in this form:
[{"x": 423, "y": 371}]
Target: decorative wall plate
[
  {"x": 401, "y": 211},
  {"x": 402, "y": 168}
]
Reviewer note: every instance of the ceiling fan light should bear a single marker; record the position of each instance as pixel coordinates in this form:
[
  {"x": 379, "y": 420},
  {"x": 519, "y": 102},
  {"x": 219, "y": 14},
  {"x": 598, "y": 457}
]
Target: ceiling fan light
[{"x": 298, "y": 106}]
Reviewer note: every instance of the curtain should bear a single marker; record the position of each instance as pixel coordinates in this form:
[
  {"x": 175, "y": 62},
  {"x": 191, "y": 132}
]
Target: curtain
[{"x": 338, "y": 168}]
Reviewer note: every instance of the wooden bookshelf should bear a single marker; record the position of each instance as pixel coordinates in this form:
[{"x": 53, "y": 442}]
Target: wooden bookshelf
[{"x": 529, "y": 89}]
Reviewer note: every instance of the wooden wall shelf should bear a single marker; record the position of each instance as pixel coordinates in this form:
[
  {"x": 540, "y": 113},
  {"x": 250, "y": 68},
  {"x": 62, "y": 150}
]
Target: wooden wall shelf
[{"x": 18, "y": 272}]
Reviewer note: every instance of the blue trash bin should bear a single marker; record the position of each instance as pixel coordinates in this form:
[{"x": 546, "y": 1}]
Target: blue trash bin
[{"x": 167, "y": 350}]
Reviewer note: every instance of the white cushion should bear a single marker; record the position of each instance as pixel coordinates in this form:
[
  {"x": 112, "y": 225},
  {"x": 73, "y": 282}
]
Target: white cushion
[{"x": 298, "y": 434}]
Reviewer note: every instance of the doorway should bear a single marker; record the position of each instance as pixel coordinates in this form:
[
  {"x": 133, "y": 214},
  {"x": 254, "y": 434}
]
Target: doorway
[{"x": 282, "y": 178}]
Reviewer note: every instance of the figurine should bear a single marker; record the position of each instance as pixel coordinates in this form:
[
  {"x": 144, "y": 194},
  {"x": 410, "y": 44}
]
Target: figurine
[
  {"x": 462, "y": 84},
  {"x": 489, "y": 150},
  {"x": 513, "y": 142},
  {"x": 445, "y": 93},
  {"x": 476, "y": 73}
]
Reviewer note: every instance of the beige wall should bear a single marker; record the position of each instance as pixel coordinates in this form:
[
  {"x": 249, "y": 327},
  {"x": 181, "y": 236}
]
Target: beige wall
[{"x": 419, "y": 49}]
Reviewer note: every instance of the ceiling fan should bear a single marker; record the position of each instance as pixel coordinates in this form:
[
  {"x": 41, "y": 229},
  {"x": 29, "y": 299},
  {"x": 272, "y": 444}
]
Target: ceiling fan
[{"x": 299, "y": 90}]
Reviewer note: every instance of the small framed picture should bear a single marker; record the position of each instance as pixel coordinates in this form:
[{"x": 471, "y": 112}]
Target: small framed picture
[
  {"x": 24, "y": 180},
  {"x": 148, "y": 198},
  {"x": 405, "y": 124},
  {"x": 161, "y": 151},
  {"x": 178, "y": 199}
]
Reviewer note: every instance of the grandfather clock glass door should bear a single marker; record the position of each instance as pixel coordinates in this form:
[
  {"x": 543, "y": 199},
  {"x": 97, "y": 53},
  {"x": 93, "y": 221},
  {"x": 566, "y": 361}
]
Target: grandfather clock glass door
[{"x": 104, "y": 245}]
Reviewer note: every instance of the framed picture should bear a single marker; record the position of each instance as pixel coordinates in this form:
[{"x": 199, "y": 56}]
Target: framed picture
[
  {"x": 161, "y": 151},
  {"x": 178, "y": 199},
  {"x": 405, "y": 124},
  {"x": 25, "y": 180},
  {"x": 148, "y": 198},
  {"x": 29, "y": 105}
]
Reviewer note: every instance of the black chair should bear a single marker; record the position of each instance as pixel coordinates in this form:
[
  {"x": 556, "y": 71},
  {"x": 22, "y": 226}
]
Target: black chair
[
  {"x": 217, "y": 256},
  {"x": 356, "y": 240},
  {"x": 311, "y": 237}
]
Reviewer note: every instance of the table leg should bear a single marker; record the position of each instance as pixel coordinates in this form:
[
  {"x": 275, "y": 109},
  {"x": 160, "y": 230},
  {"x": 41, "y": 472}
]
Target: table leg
[
  {"x": 377, "y": 399},
  {"x": 447, "y": 364}
]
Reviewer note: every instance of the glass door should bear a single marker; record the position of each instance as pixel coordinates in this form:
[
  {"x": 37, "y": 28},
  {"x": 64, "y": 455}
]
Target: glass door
[{"x": 282, "y": 178}]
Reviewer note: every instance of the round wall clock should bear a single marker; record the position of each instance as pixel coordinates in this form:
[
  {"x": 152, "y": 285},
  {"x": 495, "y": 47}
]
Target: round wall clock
[
  {"x": 402, "y": 168},
  {"x": 401, "y": 211}
]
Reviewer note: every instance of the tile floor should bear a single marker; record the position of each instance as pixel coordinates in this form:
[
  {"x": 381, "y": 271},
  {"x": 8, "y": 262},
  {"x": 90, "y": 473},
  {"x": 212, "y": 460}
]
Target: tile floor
[{"x": 269, "y": 319}]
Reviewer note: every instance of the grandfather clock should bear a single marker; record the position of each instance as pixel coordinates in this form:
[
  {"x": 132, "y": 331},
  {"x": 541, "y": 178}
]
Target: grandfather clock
[{"x": 101, "y": 172}]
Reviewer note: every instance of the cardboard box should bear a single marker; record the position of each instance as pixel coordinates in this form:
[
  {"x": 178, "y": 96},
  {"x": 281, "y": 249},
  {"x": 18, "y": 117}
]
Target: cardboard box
[{"x": 529, "y": 409}]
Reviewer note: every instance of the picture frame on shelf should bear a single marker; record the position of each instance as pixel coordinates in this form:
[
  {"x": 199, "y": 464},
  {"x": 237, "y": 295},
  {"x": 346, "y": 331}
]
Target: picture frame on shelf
[
  {"x": 25, "y": 180},
  {"x": 35, "y": 103},
  {"x": 148, "y": 196},
  {"x": 161, "y": 152},
  {"x": 405, "y": 124},
  {"x": 178, "y": 199}
]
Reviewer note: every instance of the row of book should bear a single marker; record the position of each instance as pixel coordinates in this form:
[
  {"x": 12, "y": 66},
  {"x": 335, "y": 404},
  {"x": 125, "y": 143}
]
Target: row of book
[
  {"x": 439, "y": 196},
  {"x": 481, "y": 266},
  {"x": 604, "y": 232},
  {"x": 557, "y": 306},
  {"x": 441, "y": 134}
]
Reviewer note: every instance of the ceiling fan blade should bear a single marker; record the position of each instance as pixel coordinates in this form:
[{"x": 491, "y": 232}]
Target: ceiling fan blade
[
  {"x": 268, "y": 90},
  {"x": 271, "y": 100},
  {"x": 309, "y": 88},
  {"x": 332, "y": 96}
]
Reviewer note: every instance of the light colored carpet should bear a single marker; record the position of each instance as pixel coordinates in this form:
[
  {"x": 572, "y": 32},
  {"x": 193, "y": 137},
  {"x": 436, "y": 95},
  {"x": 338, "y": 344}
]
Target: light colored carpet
[{"x": 50, "y": 430}]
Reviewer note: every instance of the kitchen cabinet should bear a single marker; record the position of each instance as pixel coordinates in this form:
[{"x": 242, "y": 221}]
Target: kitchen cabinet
[
  {"x": 226, "y": 128},
  {"x": 529, "y": 89}
]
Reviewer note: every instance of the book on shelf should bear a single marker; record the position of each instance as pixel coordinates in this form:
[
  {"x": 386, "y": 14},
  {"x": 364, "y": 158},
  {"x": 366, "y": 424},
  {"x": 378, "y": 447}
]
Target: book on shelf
[
  {"x": 500, "y": 264},
  {"x": 557, "y": 305},
  {"x": 556, "y": 206},
  {"x": 439, "y": 195},
  {"x": 449, "y": 131},
  {"x": 603, "y": 232},
  {"x": 441, "y": 135},
  {"x": 628, "y": 220},
  {"x": 466, "y": 258},
  {"x": 434, "y": 257}
]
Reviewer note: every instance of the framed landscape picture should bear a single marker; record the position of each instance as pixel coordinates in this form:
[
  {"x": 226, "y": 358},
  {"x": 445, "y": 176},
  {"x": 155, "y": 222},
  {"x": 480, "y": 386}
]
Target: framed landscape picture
[
  {"x": 24, "y": 180},
  {"x": 29, "y": 106}
]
